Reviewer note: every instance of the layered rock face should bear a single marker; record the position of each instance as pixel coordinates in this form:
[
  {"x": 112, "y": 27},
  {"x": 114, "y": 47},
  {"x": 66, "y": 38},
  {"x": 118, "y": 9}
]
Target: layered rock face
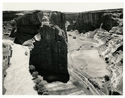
[
  {"x": 50, "y": 53},
  {"x": 9, "y": 15},
  {"x": 89, "y": 21},
  {"x": 27, "y": 27},
  {"x": 71, "y": 20}
]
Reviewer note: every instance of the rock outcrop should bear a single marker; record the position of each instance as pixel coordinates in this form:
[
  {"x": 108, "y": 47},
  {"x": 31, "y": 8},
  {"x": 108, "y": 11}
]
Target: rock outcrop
[
  {"x": 53, "y": 43},
  {"x": 50, "y": 53}
]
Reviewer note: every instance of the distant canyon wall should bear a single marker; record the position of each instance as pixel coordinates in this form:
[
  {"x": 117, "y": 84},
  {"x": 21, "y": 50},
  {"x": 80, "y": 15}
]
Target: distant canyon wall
[
  {"x": 83, "y": 21},
  {"x": 91, "y": 20}
]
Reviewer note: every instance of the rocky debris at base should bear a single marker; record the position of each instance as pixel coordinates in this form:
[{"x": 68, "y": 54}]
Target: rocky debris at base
[
  {"x": 38, "y": 80},
  {"x": 55, "y": 88}
]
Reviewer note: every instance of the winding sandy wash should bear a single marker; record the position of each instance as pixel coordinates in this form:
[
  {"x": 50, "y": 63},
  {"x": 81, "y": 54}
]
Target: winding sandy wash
[
  {"x": 18, "y": 80},
  {"x": 84, "y": 56},
  {"x": 90, "y": 62}
]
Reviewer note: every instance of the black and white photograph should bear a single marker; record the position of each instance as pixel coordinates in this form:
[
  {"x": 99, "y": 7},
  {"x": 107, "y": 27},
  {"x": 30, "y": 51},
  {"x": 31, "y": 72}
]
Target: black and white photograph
[{"x": 62, "y": 48}]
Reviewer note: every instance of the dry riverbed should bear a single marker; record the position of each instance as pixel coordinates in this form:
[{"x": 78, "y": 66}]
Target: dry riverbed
[{"x": 83, "y": 55}]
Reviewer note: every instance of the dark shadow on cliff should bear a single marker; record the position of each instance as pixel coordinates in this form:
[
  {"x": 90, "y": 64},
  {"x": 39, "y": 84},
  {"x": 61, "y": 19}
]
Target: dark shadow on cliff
[{"x": 50, "y": 55}]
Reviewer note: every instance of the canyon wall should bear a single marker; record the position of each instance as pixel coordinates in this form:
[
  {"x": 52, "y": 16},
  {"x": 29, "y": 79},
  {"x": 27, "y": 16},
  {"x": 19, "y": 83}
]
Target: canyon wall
[
  {"x": 89, "y": 21},
  {"x": 104, "y": 26}
]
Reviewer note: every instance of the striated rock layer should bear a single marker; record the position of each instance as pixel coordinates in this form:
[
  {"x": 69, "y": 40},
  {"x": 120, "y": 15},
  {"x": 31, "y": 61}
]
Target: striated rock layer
[{"x": 89, "y": 21}]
